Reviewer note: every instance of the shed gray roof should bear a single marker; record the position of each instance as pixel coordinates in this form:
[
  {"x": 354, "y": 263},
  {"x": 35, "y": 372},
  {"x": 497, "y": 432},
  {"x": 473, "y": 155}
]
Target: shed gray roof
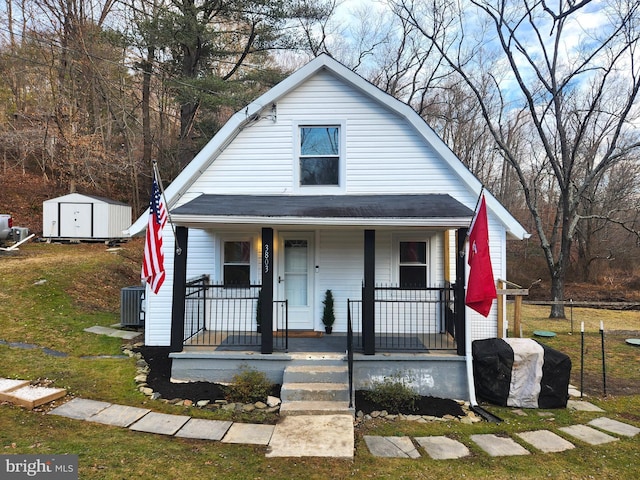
[{"x": 341, "y": 207}]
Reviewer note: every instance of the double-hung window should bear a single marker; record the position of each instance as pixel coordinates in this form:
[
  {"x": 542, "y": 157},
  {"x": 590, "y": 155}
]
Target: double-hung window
[
  {"x": 413, "y": 264},
  {"x": 319, "y": 155},
  {"x": 236, "y": 263}
]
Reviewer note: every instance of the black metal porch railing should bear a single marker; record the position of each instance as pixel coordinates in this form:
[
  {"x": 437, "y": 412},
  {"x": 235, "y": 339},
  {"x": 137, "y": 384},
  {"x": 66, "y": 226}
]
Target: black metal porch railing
[
  {"x": 420, "y": 319},
  {"x": 350, "y": 354},
  {"x": 227, "y": 317}
]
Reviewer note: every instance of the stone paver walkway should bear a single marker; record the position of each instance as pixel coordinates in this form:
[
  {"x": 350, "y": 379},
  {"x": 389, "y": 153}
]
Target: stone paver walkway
[
  {"x": 546, "y": 441},
  {"x": 313, "y": 436},
  {"x": 391, "y": 447},
  {"x": 326, "y": 435},
  {"x": 497, "y": 446},
  {"x": 443, "y": 448}
]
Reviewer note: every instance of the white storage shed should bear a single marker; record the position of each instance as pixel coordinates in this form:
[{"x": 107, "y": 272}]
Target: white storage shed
[{"x": 84, "y": 217}]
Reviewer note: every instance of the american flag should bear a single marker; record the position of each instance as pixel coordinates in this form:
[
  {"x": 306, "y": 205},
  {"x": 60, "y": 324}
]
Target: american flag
[{"x": 153, "y": 261}]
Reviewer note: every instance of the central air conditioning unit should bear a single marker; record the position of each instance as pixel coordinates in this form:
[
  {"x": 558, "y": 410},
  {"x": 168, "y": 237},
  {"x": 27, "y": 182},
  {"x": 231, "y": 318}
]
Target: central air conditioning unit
[{"x": 132, "y": 307}]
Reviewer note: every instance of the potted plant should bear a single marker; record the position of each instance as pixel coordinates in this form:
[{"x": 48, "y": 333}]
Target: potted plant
[{"x": 328, "y": 317}]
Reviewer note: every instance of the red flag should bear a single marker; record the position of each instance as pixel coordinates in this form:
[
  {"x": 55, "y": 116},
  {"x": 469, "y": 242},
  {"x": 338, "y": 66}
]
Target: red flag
[
  {"x": 153, "y": 261},
  {"x": 481, "y": 290}
]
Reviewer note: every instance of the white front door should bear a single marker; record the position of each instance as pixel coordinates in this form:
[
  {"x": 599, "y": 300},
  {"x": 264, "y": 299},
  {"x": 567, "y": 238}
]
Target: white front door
[{"x": 295, "y": 279}]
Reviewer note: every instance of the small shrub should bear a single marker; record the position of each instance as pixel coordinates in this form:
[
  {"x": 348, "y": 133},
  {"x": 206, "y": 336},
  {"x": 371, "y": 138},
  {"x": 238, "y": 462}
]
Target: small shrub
[
  {"x": 328, "y": 315},
  {"x": 248, "y": 386},
  {"x": 393, "y": 395}
]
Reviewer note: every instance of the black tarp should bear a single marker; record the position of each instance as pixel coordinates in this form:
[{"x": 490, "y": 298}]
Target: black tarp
[{"x": 493, "y": 369}]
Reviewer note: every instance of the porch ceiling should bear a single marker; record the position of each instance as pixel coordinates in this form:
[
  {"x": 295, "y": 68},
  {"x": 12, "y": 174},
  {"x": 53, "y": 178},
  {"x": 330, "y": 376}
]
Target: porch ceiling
[{"x": 430, "y": 210}]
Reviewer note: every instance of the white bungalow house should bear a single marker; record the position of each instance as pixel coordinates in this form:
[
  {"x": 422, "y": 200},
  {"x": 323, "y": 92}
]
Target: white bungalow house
[{"x": 324, "y": 183}]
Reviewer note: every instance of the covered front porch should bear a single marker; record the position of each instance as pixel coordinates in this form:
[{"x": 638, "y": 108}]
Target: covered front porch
[
  {"x": 396, "y": 283},
  {"x": 415, "y": 327}
]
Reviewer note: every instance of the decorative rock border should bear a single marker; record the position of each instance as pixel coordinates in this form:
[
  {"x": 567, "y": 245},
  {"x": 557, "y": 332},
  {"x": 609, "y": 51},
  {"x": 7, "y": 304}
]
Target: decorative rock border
[
  {"x": 272, "y": 404},
  {"x": 469, "y": 416}
]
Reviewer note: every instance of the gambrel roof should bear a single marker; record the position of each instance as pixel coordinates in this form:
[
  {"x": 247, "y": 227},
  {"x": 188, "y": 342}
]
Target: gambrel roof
[{"x": 263, "y": 105}]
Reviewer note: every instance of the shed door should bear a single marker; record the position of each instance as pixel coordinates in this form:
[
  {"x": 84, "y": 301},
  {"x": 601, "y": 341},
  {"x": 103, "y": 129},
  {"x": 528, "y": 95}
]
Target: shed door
[
  {"x": 296, "y": 278},
  {"x": 75, "y": 220}
]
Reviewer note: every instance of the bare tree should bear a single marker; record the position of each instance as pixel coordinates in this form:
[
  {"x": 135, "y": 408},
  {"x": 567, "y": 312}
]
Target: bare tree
[{"x": 569, "y": 73}]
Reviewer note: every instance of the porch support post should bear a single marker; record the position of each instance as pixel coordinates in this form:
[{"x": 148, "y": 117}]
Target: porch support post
[
  {"x": 459, "y": 291},
  {"x": 179, "y": 288},
  {"x": 267, "y": 291},
  {"x": 368, "y": 293}
]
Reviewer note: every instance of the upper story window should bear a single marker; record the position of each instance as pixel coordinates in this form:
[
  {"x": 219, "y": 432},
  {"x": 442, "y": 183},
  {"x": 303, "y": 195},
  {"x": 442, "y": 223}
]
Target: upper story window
[
  {"x": 413, "y": 264},
  {"x": 236, "y": 263},
  {"x": 320, "y": 155}
]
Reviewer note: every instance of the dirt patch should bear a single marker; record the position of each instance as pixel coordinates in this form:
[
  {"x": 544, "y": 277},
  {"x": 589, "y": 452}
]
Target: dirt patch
[
  {"x": 594, "y": 385},
  {"x": 432, "y": 406},
  {"x": 159, "y": 380}
]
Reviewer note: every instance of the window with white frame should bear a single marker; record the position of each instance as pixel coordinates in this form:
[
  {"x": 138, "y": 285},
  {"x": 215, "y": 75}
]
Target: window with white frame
[
  {"x": 413, "y": 266},
  {"x": 236, "y": 263},
  {"x": 319, "y": 155}
]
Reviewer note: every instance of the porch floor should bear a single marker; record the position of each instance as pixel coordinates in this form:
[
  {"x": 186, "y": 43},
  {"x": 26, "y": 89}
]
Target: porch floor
[{"x": 333, "y": 343}]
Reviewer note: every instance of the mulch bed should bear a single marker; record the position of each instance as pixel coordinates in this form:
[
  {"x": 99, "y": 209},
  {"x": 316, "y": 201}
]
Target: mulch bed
[{"x": 159, "y": 380}]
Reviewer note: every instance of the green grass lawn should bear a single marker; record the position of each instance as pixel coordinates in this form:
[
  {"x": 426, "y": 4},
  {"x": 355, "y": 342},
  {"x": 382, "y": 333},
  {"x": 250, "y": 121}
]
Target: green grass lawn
[{"x": 82, "y": 289}]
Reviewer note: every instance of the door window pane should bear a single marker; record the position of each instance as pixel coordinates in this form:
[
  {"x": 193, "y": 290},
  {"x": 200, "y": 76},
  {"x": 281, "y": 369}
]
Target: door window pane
[{"x": 296, "y": 272}]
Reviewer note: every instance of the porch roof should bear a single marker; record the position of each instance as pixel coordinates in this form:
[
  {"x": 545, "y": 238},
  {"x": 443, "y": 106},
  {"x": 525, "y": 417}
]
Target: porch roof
[{"x": 429, "y": 210}]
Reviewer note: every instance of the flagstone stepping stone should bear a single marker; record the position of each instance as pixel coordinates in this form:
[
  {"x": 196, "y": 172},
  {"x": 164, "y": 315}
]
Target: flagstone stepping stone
[
  {"x": 31, "y": 397},
  {"x": 583, "y": 406},
  {"x": 249, "y": 433},
  {"x": 313, "y": 436},
  {"x": 443, "y": 448},
  {"x": 119, "y": 415},
  {"x": 160, "y": 423},
  {"x": 79, "y": 408},
  {"x": 497, "y": 446},
  {"x": 204, "y": 429},
  {"x": 112, "y": 332},
  {"x": 614, "y": 426},
  {"x": 31, "y": 346},
  {"x": 588, "y": 435},
  {"x": 546, "y": 441},
  {"x": 391, "y": 447}
]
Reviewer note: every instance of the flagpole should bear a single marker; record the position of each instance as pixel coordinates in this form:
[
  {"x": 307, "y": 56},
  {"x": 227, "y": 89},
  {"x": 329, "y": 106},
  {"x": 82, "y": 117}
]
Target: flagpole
[
  {"x": 473, "y": 219},
  {"x": 467, "y": 338},
  {"x": 156, "y": 172},
  {"x": 475, "y": 212}
]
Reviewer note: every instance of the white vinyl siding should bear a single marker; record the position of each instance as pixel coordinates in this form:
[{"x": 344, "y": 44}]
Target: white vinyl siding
[{"x": 383, "y": 154}]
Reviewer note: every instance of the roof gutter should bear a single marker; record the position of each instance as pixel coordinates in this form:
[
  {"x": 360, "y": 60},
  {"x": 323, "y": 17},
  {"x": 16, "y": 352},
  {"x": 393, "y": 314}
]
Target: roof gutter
[{"x": 204, "y": 220}]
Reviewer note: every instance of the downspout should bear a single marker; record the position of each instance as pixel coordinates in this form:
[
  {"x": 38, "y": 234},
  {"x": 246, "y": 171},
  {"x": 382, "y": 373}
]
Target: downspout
[
  {"x": 461, "y": 311},
  {"x": 469, "y": 361}
]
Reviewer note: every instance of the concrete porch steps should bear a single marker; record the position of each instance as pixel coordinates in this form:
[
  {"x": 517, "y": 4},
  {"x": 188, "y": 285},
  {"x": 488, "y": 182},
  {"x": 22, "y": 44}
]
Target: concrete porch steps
[
  {"x": 310, "y": 407},
  {"x": 320, "y": 387}
]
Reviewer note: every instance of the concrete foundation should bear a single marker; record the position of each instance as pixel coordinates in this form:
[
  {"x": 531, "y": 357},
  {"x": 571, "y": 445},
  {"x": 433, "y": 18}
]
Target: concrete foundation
[{"x": 442, "y": 376}]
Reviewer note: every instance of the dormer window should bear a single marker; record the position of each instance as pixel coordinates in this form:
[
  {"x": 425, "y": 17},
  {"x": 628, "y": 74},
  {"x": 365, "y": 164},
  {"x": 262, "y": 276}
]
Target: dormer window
[{"x": 320, "y": 155}]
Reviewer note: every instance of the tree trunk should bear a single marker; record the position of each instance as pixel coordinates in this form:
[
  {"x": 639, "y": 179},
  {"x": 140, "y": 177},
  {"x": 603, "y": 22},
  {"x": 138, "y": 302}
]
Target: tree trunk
[
  {"x": 559, "y": 268},
  {"x": 557, "y": 295},
  {"x": 185, "y": 146},
  {"x": 147, "y": 67}
]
